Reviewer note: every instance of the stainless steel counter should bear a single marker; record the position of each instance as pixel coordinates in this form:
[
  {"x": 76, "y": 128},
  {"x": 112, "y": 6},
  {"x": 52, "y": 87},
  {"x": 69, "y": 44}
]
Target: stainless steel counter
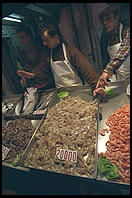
[{"x": 109, "y": 105}]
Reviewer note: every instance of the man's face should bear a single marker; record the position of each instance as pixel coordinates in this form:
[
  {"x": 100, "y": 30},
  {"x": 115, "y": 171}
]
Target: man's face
[
  {"x": 110, "y": 22},
  {"x": 25, "y": 39},
  {"x": 49, "y": 41}
]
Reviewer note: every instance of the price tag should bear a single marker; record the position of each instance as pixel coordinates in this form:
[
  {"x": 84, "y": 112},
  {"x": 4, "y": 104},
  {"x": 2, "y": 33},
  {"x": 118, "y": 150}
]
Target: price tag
[
  {"x": 66, "y": 155},
  {"x": 5, "y": 151},
  {"x": 39, "y": 111}
]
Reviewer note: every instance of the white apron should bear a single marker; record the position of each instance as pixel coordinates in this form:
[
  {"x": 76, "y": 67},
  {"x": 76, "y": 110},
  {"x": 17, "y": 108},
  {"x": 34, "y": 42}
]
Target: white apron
[
  {"x": 64, "y": 74},
  {"x": 123, "y": 73}
]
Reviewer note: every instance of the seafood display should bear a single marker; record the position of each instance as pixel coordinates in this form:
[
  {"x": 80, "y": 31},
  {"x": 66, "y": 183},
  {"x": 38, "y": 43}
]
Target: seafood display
[
  {"x": 6, "y": 107},
  {"x": 28, "y": 102},
  {"x": 72, "y": 138},
  {"x": 71, "y": 124},
  {"x": 15, "y": 136},
  {"x": 118, "y": 145},
  {"x": 8, "y": 103}
]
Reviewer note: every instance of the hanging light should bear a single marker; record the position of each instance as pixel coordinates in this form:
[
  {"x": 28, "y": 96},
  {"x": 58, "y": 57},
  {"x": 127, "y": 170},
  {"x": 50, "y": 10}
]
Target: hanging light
[{"x": 12, "y": 19}]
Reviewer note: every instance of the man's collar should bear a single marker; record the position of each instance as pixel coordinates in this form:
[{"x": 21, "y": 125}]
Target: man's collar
[{"x": 59, "y": 46}]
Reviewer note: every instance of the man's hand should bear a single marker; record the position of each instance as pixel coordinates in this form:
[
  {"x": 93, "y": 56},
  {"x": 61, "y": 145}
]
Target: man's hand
[
  {"x": 102, "y": 82},
  {"x": 99, "y": 91},
  {"x": 23, "y": 81},
  {"x": 25, "y": 74}
]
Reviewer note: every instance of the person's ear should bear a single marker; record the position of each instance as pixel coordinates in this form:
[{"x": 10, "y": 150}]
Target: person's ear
[{"x": 56, "y": 36}]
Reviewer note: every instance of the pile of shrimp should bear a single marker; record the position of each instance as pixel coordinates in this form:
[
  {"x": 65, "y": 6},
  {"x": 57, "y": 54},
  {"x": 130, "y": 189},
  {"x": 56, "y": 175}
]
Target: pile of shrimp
[{"x": 118, "y": 145}]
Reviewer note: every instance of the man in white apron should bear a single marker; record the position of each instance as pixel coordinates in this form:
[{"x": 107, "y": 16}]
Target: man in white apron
[
  {"x": 116, "y": 38},
  {"x": 68, "y": 64},
  {"x": 64, "y": 74}
]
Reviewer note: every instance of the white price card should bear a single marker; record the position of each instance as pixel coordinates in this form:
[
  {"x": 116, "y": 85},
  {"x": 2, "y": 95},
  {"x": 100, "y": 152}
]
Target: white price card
[
  {"x": 39, "y": 111},
  {"x": 66, "y": 155},
  {"x": 5, "y": 151}
]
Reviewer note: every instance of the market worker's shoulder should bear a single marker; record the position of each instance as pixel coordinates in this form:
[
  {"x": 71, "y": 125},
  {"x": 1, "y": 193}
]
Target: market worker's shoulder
[{"x": 72, "y": 50}]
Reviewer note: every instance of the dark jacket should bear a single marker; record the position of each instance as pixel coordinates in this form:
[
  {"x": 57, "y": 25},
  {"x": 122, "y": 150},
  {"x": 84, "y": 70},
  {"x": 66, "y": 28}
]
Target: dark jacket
[{"x": 37, "y": 66}]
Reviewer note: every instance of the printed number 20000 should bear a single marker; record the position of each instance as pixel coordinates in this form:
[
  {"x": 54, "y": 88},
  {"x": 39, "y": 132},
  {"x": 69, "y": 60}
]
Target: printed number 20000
[{"x": 67, "y": 155}]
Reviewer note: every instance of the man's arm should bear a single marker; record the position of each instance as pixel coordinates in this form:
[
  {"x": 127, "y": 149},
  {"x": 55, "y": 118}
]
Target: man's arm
[
  {"x": 83, "y": 66},
  {"x": 40, "y": 73}
]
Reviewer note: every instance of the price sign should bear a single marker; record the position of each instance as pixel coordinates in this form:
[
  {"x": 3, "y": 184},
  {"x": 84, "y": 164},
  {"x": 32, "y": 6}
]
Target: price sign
[
  {"x": 39, "y": 111},
  {"x": 5, "y": 151},
  {"x": 66, "y": 155}
]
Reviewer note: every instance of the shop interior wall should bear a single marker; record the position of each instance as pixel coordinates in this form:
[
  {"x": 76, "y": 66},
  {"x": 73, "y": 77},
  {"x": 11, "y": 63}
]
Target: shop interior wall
[{"x": 82, "y": 30}]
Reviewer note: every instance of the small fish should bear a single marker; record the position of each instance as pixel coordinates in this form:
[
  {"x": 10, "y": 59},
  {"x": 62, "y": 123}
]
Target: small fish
[
  {"x": 31, "y": 105},
  {"x": 19, "y": 106},
  {"x": 44, "y": 103}
]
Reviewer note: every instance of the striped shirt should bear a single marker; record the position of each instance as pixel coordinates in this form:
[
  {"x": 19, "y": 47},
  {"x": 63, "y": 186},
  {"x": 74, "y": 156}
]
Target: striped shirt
[{"x": 120, "y": 56}]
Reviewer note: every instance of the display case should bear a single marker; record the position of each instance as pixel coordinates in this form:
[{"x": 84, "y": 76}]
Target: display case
[
  {"x": 18, "y": 130},
  {"x": 37, "y": 179}
]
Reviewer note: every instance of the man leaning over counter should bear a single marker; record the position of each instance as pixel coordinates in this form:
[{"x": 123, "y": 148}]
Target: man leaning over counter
[
  {"x": 69, "y": 66},
  {"x": 115, "y": 46}
]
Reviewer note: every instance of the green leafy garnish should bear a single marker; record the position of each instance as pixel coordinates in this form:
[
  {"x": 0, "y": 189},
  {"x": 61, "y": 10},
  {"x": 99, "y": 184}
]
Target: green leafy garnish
[
  {"x": 110, "y": 92},
  {"x": 108, "y": 169},
  {"x": 15, "y": 163},
  {"x": 63, "y": 94}
]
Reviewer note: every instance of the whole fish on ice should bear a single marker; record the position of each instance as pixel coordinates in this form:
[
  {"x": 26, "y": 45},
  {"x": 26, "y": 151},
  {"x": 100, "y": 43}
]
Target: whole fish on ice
[{"x": 28, "y": 102}]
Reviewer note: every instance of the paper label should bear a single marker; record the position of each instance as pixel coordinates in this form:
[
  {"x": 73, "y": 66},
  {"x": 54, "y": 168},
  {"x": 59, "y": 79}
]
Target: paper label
[
  {"x": 66, "y": 155},
  {"x": 5, "y": 151},
  {"x": 39, "y": 111}
]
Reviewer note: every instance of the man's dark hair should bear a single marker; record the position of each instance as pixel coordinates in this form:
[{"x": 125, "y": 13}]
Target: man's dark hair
[
  {"x": 24, "y": 28},
  {"x": 115, "y": 9},
  {"x": 52, "y": 30}
]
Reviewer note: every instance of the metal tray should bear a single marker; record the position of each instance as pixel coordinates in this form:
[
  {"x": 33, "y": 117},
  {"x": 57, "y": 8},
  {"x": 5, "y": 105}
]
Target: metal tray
[
  {"x": 35, "y": 124},
  {"x": 85, "y": 94},
  {"x": 45, "y": 98},
  {"x": 109, "y": 105},
  {"x": 6, "y": 101}
]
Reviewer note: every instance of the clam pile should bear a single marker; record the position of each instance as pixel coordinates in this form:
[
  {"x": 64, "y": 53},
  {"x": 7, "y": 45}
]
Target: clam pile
[
  {"x": 71, "y": 124},
  {"x": 16, "y": 136}
]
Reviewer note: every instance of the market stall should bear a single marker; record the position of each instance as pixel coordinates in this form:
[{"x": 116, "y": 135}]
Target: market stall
[{"x": 62, "y": 154}]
